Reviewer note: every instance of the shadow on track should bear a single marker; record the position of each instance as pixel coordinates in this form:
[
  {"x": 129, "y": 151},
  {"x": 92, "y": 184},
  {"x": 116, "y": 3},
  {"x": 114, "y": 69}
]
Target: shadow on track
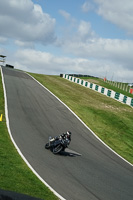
[{"x": 68, "y": 153}]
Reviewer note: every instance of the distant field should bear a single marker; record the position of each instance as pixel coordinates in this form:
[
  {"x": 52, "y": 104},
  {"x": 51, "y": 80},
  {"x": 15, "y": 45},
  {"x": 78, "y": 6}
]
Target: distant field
[{"x": 109, "y": 119}]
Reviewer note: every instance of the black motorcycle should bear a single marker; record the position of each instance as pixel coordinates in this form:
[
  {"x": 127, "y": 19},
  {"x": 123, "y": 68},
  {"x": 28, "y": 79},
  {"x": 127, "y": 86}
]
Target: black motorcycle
[{"x": 57, "y": 144}]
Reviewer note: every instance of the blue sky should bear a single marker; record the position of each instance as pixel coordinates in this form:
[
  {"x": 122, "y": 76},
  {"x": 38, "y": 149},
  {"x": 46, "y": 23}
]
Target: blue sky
[{"x": 92, "y": 37}]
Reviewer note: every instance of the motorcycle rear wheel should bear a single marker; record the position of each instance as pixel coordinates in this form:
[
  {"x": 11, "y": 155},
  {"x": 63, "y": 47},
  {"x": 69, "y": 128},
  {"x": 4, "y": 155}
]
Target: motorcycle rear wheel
[{"x": 57, "y": 149}]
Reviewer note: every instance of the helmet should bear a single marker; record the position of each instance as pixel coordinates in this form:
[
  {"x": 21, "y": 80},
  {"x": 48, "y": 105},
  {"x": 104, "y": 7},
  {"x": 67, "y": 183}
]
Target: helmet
[{"x": 68, "y": 133}]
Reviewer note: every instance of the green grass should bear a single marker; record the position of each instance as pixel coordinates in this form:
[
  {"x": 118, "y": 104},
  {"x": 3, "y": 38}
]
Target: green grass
[
  {"x": 14, "y": 173},
  {"x": 109, "y": 119}
]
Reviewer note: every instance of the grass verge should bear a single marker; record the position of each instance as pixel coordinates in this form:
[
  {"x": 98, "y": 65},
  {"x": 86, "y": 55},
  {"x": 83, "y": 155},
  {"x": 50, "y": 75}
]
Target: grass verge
[
  {"x": 109, "y": 119},
  {"x": 14, "y": 173}
]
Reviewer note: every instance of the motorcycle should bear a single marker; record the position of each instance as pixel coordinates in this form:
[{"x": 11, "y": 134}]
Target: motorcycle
[{"x": 57, "y": 144}]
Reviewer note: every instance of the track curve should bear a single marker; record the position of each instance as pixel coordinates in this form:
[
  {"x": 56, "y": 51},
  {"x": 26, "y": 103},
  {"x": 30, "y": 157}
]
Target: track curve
[{"x": 34, "y": 114}]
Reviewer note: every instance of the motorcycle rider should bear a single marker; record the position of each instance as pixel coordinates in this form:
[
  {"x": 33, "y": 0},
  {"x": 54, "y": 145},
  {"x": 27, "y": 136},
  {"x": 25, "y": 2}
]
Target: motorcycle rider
[
  {"x": 59, "y": 143},
  {"x": 64, "y": 136}
]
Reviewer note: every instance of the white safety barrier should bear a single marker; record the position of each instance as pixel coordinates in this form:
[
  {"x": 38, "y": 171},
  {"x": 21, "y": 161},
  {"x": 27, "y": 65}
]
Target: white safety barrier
[{"x": 110, "y": 93}]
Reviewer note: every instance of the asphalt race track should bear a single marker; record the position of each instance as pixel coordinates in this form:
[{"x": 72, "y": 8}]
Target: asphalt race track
[{"x": 88, "y": 170}]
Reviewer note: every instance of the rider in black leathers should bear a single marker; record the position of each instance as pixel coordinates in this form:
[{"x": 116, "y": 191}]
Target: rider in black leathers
[
  {"x": 64, "y": 136},
  {"x": 59, "y": 143}
]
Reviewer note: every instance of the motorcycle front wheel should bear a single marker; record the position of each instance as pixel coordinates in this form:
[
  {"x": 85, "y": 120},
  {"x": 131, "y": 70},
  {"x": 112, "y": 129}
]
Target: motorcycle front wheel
[
  {"x": 47, "y": 146},
  {"x": 57, "y": 149}
]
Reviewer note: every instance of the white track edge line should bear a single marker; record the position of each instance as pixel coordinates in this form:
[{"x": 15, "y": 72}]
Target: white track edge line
[
  {"x": 83, "y": 123},
  {"x": 8, "y": 127}
]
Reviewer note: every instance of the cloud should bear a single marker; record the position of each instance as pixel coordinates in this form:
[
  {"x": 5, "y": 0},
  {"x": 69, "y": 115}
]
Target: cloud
[
  {"x": 42, "y": 62},
  {"x": 65, "y": 14},
  {"x": 85, "y": 31},
  {"x": 26, "y": 21},
  {"x": 118, "y": 12},
  {"x": 75, "y": 34},
  {"x": 87, "y": 6},
  {"x": 68, "y": 17},
  {"x": 3, "y": 40},
  {"x": 114, "y": 55},
  {"x": 24, "y": 44},
  {"x": 115, "y": 49},
  {"x": 27, "y": 25},
  {"x": 84, "y": 42}
]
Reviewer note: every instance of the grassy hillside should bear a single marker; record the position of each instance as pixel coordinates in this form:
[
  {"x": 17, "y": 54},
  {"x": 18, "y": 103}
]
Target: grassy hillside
[
  {"x": 14, "y": 173},
  {"x": 109, "y": 119}
]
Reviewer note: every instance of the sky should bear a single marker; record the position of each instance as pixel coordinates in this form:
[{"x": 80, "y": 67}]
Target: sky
[{"x": 93, "y": 37}]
